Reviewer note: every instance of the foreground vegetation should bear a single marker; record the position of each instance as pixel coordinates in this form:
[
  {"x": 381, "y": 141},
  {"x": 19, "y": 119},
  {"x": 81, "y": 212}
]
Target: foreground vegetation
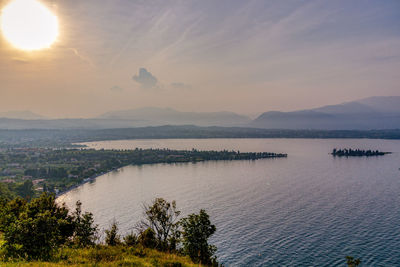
[
  {"x": 41, "y": 231},
  {"x": 28, "y": 172},
  {"x": 101, "y": 255}
]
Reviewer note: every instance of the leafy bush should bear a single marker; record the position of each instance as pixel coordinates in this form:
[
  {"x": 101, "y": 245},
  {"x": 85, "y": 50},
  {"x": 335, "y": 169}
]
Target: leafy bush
[
  {"x": 112, "y": 236},
  {"x": 197, "y": 228},
  {"x": 33, "y": 230},
  {"x": 5, "y": 194},
  {"x": 130, "y": 239},
  {"x": 85, "y": 233},
  {"x": 161, "y": 217},
  {"x": 351, "y": 262},
  {"x": 148, "y": 238},
  {"x": 36, "y": 229}
]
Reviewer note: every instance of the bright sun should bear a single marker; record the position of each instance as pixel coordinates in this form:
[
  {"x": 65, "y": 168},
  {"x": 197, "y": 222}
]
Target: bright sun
[{"x": 29, "y": 25}]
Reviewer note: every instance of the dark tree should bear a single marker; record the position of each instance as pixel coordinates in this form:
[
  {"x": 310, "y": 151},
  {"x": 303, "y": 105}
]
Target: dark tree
[
  {"x": 161, "y": 217},
  {"x": 148, "y": 238},
  {"x": 85, "y": 233},
  {"x": 5, "y": 193},
  {"x": 197, "y": 229},
  {"x": 351, "y": 262},
  {"x": 34, "y": 230},
  {"x": 25, "y": 190},
  {"x": 130, "y": 239},
  {"x": 112, "y": 236}
]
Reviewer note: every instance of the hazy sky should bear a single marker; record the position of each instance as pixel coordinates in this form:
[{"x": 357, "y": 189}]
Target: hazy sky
[{"x": 242, "y": 56}]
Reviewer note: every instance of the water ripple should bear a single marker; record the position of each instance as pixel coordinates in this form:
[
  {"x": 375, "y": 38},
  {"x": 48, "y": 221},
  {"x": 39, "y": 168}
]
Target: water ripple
[{"x": 307, "y": 210}]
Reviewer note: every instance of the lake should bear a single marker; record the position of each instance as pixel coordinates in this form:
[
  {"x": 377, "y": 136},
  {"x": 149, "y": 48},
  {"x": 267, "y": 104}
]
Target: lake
[{"x": 310, "y": 209}]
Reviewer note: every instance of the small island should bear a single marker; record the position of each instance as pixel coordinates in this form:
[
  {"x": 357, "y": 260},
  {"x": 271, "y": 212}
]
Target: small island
[{"x": 348, "y": 152}]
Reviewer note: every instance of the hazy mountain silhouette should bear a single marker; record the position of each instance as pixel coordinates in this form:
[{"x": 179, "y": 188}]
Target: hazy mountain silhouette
[
  {"x": 369, "y": 113},
  {"x": 364, "y": 114},
  {"x": 6, "y": 123},
  {"x": 162, "y": 116},
  {"x": 132, "y": 118},
  {"x": 23, "y": 115},
  {"x": 386, "y": 104}
]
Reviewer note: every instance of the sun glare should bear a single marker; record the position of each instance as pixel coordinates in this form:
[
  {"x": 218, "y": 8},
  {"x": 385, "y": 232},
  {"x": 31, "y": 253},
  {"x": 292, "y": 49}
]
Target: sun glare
[{"x": 29, "y": 25}]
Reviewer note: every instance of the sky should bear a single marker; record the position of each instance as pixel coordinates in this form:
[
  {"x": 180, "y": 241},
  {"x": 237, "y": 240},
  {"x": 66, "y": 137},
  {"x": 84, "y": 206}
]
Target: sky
[{"x": 243, "y": 56}]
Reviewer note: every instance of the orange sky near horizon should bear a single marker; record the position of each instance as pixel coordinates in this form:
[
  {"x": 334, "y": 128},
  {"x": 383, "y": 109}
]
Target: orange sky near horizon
[{"x": 243, "y": 56}]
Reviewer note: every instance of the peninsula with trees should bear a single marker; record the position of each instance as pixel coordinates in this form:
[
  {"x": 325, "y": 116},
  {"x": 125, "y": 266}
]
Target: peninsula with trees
[{"x": 27, "y": 172}]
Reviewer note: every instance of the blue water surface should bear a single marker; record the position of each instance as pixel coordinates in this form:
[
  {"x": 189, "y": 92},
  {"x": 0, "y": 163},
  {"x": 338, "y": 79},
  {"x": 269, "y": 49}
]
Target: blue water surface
[{"x": 310, "y": 209}]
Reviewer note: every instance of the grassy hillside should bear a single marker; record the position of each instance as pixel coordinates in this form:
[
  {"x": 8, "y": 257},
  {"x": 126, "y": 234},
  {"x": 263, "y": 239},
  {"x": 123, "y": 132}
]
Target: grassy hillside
[{"x": 110, "y": 256}]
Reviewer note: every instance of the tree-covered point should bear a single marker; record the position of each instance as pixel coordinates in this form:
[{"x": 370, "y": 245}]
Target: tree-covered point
[
  {"x": 27, "y": 172},
  {"x": 348, "y": 152}
]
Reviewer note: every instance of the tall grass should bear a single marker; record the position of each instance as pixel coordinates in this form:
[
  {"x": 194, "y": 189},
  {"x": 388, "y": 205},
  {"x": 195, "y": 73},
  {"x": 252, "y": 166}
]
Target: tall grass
[{"x": 101, "y": 255}]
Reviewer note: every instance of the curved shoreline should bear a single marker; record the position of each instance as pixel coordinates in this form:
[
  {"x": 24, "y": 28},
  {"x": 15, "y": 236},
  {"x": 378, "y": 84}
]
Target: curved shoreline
[{"x": 93, "y": 178}]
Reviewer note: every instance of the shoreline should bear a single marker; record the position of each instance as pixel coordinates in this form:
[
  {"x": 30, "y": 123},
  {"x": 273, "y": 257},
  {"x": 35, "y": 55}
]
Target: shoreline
[
  {"x": 93, "y": 178},
  {"x": 85, "y": 181}
]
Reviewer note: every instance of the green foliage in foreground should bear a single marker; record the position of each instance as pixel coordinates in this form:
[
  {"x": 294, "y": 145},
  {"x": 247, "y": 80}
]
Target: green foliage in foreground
[
  {"x": 36, "y": 229},
  {"x": 5, "y": 193},
  {"x": 112, "y": 236},
  {"x": 43, "y": 231},
  {"x": 161, "y": 229},
  {"x": 162, "y": 218},
  {"x": 101, "y": 255},
  {"x": 351, "y": 262},
  {"x": 197, "y": 229}
]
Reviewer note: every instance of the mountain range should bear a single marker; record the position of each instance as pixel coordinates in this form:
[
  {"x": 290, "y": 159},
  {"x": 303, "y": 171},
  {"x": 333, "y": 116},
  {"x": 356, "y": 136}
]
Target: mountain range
[
  {"x": 365, "y": 114},
  {"x": 168, "y": 116},
  {"x": 370, "y": 113},
  {"x": 22, "y": 115}
]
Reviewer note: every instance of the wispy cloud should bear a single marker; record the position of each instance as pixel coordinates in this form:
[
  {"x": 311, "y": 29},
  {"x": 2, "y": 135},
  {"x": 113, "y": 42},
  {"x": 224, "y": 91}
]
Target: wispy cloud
[
  {"x": 116, "y": 89},
  {"x": 80, "y": 56},
  {"x": 179, "y": 85}
]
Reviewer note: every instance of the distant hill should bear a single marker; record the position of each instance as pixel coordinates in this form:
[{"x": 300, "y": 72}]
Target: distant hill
[
  {"x": 16, "y": 124},
  {"x": 365, "y": 114},
  {"x": 162, "y": 116},
  {"x": 130, "y": 118},
  {"x": 23, "y": 115},
  {"x": 385, "y": 104},
  {"x": 374, "y": 113}
]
